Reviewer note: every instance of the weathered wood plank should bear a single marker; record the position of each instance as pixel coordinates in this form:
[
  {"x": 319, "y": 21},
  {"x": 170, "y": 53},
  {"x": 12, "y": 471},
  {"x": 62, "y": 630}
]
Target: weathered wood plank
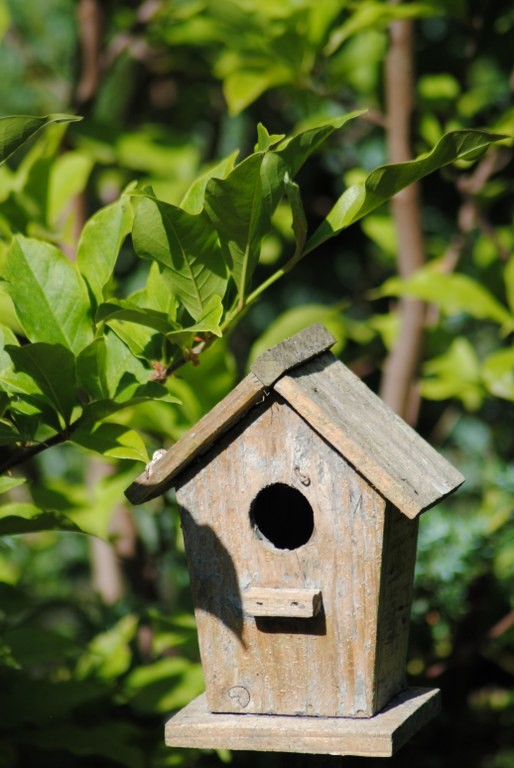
[
  {"x": 322, "y": 666},
  {"x": 379, "y": 736},
  {"x": 290, "y": 353},
  {"x": 209, "y": 429},
  {"x": 380, "y": 445},
  {"x": 396, "y": 587},
  {"x": 292, "y": 603}
]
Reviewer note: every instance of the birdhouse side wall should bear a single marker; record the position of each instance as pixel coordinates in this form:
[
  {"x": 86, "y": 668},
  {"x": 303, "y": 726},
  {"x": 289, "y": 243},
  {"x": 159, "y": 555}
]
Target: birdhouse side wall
[
  {"x": 396, "y": 590},
  {"x": 323, "y": 665}
]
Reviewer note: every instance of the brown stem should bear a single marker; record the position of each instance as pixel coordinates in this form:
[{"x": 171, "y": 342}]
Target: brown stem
[
  {"x": 90, "y": 27},
  {"x": 21, "y": 455},
  {"x": 397, "y": 388}
]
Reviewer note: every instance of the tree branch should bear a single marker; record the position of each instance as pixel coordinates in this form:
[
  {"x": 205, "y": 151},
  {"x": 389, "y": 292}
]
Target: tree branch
[
  {"x": 401, "y": 365},
  {"x": 90, "y": 25}
]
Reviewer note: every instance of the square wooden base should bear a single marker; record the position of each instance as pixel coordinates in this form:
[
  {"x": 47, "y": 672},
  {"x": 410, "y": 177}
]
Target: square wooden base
[{"x": 378, "y": 736}]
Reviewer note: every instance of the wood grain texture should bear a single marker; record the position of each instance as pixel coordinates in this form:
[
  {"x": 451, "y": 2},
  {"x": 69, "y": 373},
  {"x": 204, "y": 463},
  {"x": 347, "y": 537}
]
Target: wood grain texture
[
  {"x": 296, "y": 350},
  {"x": 381, "y": 446},
  {"x": 288, "y": 603},
  {"x": 321, "y": 666},
  {"x": 210, "y": 428},
  {"x": 396, "y": 588},
  {"x": 380, "y": 736}
]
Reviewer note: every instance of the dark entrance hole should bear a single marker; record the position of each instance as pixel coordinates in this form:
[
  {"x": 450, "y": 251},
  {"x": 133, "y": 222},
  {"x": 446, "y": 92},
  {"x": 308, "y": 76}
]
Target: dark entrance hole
[{"x": 283, "y": 516}]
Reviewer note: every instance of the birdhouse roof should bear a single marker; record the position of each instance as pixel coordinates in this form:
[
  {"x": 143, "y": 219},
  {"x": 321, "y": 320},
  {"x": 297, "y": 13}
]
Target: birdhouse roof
[{"x": 385, "y": 450}]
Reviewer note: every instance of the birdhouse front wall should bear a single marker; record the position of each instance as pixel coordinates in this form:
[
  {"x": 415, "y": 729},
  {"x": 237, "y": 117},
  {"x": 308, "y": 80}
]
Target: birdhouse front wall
[{"x": 274, "y": 512}]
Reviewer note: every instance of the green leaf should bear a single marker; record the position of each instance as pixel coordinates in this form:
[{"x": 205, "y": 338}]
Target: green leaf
[
  {"x": 240, "y": 207},
  {"x": 509, "y": 282},
  {"x": 244, "y": 86},
  {"x": 165, "y": 685},
  {"x": 384, "y": 182},
  {"x": 114, "y": 377},
  {"x": 142, "y": 341},
  {"x": 6, "y": 337},
  {"x": 208, "y": 323},
  {"x": 100, "y": 243},
  {"x": 49, "y": 295},
  {"x": 26, "y": 518},
  {"x": 374, "y": 15},
  {"x": 187, "y": 245},
  {"x": 295, "y": 150},
  {"x": 456, "y": 374},
  {"x": 125, "y": 309},
  {"x": 498, "y": 373},
  {"x": 158, "y": 293},
  {"x": 69, "y": 174},
  {"x": 92, "y": 370},
  {"x": 112, "y": 440},
  {"x": 9, "y": 434},
  {"x": 6, "y": 483},
  {"x": 17, "y": 129},
  {"x": 453, "y": 293},
  {"x": 109, "y": 655},
  {"x": 266, "y": 140},
  {"x": 133, "y": 395},
  {"x": 292, "y": 191},
  {"x": 193, "y": 200},
  {"x": 122, "y": 369},
  {"x": 296, "y": 319},
  {"x": 52, "y": 367}
]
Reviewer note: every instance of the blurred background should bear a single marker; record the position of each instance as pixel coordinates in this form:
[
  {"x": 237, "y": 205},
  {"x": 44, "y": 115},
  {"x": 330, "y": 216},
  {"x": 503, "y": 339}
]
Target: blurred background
[{"x": 98, "y": 642}]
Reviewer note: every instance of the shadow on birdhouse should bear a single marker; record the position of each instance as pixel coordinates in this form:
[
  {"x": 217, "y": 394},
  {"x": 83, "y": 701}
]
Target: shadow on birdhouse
[{"x": 300, "y": 494}]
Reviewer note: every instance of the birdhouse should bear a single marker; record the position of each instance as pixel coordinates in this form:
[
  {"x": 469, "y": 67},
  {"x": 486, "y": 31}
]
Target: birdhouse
[{"x": 300, "y": 495}]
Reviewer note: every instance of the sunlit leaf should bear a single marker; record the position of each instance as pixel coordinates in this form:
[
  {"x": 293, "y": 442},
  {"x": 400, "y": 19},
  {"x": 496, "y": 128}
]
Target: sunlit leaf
[
  {"x": 208, "y": 323},
  {"x": 69, "y": 174},
  {"x": 266, "y": 140},
  {"x": 385, "y": 181},
  {"x": 240, "y": 207},
  {"x": 6, "y": 482},
  {"x": 296, "y": 319},
  {"x": 187, "y": 245},
  {"x": 100, "y": 243},
  {"x": 52, "y": 367},
  {"x": 376, "y": 14},
  {"x": 455, "y": 374},
  {"x": 242, "y": 87},
  {"x": 49, "y": 295},
  {"x": 165, "y": 685},
  {"x": 125, "y": 309},
  {"x": 18, "y": 518},
  {"x": 158, "y": 293},
  {"x": 17, "y": 129},
  {"x": 109, "y": 655},
  {"x": 295, "y": 150},
  {"x": 112, "y": 440},
  {"x": 193, "y": 200},
  {"x": 498, "y": 373},
  {"x": 452, "y": 293}
]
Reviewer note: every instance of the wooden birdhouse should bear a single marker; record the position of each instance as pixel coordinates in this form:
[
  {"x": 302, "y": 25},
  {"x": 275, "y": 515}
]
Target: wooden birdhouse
[{"x": 300, "y": 494}]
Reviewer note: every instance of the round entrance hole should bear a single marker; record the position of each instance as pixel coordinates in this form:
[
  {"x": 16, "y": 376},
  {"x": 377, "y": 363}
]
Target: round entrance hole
[{"x": 283, "y": 516}]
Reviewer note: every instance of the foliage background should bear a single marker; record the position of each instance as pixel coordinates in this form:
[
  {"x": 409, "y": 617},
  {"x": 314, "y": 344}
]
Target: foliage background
[{"x": 98, "y": 642}]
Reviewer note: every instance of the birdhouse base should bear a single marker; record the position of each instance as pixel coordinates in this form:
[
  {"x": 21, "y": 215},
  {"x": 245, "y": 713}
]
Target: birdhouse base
[{"x": 378, "y": 736}]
